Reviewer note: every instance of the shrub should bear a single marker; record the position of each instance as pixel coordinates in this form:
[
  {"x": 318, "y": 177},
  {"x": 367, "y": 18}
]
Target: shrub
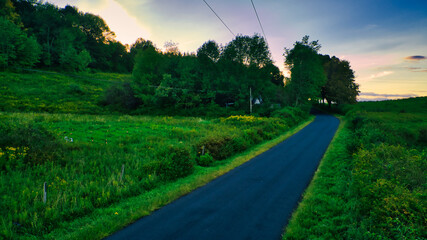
[
  {"x": 217, "y": 146},
  {"x": 40, "y": 145},
  {"x": 422, "y": 137},
  {"x": 120, "y": 97},
  {"x": 388, "y": 182},
  {"x": 73, "y": 61},
  {"x": 178, "y": 163},
  {"x": 252, "y": 136},
  {"x": 75, "y": 89},
  {"x": 205, "y": 160},
  {"x": 292, "y": 115},
  {"x": 172, "y": 163}
]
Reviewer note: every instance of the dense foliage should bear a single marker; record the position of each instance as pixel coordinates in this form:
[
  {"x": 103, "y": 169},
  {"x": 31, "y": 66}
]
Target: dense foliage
[
  {"x": 222, "y": 76},
  {"x": 71, "y": 40},
  {"x": 315, "y": 76},
  {"x": 340, "y": 86},
  {"x": 16, "y": 48},
  {"x": 372, "y": 182},
  {"x": 307, "y": 74}
]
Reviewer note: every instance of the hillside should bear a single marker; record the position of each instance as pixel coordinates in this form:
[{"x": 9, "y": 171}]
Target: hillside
[
  {"x": 53, "y": 130},
  {"x": 40, "y": 91},
  {"x": 409, "y": 105}
]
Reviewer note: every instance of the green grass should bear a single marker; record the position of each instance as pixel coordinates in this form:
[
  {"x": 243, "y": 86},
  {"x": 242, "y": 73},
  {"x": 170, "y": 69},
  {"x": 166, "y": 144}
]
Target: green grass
[
  {"x": 324, "y": 210},
  {"x": 105, "y": 221},
  {"x": 410, "y": 105},
  {"x": 84, "y": 176},
  {"x": 371, "y": 184},
  {"x": 55, "y": 92}
]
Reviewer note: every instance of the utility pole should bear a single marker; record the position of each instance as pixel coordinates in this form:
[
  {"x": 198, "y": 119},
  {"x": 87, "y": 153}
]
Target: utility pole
[{"x": 250, "y": 100}]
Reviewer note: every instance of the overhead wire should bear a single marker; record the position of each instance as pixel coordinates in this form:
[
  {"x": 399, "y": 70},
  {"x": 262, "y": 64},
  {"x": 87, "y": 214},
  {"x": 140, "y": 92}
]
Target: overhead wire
[
  {"x": 219, "y": 18},
  {"x": 259, "y": 21}
]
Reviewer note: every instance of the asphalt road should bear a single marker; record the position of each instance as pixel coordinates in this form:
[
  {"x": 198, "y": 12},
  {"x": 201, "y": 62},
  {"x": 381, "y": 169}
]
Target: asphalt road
[{"x": 253, "y": 201}]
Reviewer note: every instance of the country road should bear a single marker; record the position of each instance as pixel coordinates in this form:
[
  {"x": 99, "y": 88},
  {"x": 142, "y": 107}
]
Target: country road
[{"x": 253, "y": 201}]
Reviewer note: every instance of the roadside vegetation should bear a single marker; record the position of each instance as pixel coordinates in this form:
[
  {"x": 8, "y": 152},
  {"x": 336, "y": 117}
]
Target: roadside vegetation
[
  {"x": 371, "y": 183},
  {"x": 92, "y": 161}
]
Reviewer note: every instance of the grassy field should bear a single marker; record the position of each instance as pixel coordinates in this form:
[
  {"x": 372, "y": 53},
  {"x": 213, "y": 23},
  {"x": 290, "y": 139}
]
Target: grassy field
[
  {"x": 90, "y": 162},
  {"x": 371, "y": 183},
  {"x": 56, "y": 92},
  {"x": 410, "y": 105}
]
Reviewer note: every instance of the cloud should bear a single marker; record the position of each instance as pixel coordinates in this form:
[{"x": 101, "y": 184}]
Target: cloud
[
  {"x": 416, "y": 58},
  {"x": 381, "y": 74},
  {"x": 416, "y": 69},
  {"x": 370, "y": 96}
]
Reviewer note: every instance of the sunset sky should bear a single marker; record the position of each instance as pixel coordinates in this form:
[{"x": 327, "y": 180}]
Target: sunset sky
[{"x": 385, "y": 41}]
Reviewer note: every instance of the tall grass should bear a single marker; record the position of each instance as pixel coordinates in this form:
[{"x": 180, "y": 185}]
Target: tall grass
[
  {"x": 325, "y": 212},
  {"x": 55, "y": 92},
  {"x": 371, "y": 183},
  {"x": 90, "y": 162}
]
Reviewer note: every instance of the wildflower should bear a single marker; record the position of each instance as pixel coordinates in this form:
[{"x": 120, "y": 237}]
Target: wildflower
[{"x": 116, "y": 213}]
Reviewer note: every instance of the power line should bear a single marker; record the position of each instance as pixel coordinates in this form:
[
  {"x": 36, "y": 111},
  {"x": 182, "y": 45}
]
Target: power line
[
  {"x": 253, "y": 5},
  {"x": 220, "y": 18}
]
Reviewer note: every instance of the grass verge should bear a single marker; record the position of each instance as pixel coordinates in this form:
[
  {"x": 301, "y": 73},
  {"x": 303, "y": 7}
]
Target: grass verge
[
  {"x": 105, "y": 221},
  {"x": 323, "y": 212}
]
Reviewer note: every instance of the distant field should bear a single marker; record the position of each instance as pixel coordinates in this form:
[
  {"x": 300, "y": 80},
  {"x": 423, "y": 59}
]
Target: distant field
[
  {"x": 372, "y": 182},
  {"x": 410, "y": 105},
  {"x": 55, "y": 92},
  {"x": 85, "y": 173}
]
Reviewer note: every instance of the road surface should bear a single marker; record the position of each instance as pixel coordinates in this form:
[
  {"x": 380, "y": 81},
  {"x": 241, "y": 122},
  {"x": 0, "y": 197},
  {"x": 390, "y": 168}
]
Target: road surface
[{"x": 253, "y": 201}]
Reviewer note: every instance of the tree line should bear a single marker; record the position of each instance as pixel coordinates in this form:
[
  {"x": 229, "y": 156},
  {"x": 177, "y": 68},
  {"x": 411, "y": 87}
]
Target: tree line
[
  {"x": 62, "y": 39},
  {"x": 235, "y": 76}
]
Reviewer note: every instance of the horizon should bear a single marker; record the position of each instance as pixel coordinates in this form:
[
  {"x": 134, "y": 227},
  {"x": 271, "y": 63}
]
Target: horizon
[{"x": 383, "y": 41}]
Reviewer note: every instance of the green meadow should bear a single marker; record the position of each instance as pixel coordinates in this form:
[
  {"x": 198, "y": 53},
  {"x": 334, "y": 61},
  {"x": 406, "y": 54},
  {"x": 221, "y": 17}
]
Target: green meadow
[
  {"x": 371, "y": 183},
  {"x": 40, "y": 91},
  {"x": 57, "y": 168}
]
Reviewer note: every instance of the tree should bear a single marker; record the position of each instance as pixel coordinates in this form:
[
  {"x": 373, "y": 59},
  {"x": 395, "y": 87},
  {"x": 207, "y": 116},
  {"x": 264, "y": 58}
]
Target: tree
[
  {"x": 73, "y": 61},
  {"x": 148, "y": 73},
  {"x": 248, "y": 51},
  {"x": 171, "y": 48},
  {"x": 16, "y": 49},
  {"x": 209, "y": 51},
  {"x": 307, "y": 75},
  {"x": 340, "y": 86},
  {"x": 8, "y": 11},
  {"x": 98, "y": 37},
  {"x": 139, "y": 45},
  {"x": 47, "y": 27}
]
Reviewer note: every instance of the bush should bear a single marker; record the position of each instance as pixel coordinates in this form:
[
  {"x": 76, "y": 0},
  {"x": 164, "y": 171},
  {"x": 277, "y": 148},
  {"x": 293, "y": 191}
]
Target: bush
[
  {"x": 75, "y": 89},
  {"x": 422, "y": 137},
  {"x": 178, "y": 163},
  {"x": 120, "y": 97},
  {"x": 205, "y": 160},
  {"x": 388, "y": 182},
  {"x": 217, "y": 146},
  {"x": 172, "y": 163},
  {"x": 40, "y": 146},
  {"x": 292, "y": 115},
  {"x": 73, "y": 61}
]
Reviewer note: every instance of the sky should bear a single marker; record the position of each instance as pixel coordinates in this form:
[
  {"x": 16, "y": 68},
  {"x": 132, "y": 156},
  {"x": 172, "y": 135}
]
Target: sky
[{"x": 385, "y": 41}]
